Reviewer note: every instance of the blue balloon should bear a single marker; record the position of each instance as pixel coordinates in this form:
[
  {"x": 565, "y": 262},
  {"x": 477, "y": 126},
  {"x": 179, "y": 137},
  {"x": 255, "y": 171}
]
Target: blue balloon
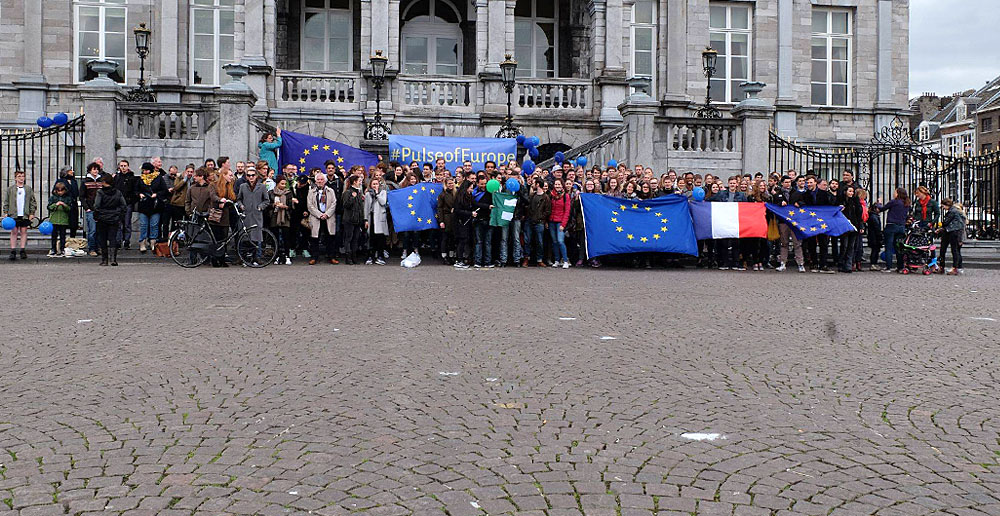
[
  {"x": 9, "y": 223},
  {"x": 44, "y": 122},
  {"x": 513, "y": 185},
  {"x": 535, "y": 142},
  {"x": 528, "y": 167},
  {"x": 45, "y": 228},
  {"x": 60, "y": 119},
  {"x": 520, "y": 139},
  {"x": 612, "y": 163},
  {"x": 581, "y": 161},
  {"x": 533, "y": 152},
  {"x": 698, "y": 194},
  {"x": 559, "y": 157}
]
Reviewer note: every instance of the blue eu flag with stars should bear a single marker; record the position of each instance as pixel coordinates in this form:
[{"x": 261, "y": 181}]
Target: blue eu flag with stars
[
  {"x": 618, "y": 226},
  {"x": 312, "y": 151},
  {"x": 414, "y": 208},
  {"x": 809, "y": 221}
]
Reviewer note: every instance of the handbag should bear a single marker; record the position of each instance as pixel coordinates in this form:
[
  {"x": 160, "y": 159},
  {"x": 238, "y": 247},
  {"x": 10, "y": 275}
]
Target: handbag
[{"x": 215, "y": 215}]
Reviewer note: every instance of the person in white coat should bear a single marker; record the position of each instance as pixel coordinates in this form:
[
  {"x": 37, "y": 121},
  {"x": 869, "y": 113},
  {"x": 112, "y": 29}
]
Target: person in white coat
[
  {"x": 376, "y": 221},
  {"x": 322, "y": 206}
]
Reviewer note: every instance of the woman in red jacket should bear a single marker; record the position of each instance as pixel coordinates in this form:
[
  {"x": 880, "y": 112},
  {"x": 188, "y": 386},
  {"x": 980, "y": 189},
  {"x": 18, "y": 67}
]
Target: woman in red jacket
[{"x": 557, "y": 224}]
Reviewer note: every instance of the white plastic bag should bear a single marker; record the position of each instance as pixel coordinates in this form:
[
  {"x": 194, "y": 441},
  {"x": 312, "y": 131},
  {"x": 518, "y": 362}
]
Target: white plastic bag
[{"x": 411, "y": 261}]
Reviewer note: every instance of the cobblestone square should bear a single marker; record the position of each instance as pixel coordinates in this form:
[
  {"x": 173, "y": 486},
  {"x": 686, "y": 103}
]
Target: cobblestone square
[{"x": 331, "y": 390}]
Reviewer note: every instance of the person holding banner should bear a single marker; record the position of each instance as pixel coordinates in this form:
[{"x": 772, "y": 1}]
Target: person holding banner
[
  {"x": 410, "y": 240},
  {"x": 482, "y": 206}
]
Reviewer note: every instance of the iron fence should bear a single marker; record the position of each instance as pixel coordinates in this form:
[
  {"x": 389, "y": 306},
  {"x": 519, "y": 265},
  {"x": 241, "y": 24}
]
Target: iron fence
[{"x": 41, "y": 154}]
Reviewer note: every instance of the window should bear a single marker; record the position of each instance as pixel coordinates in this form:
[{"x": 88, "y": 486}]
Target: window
[
  {"x": 100, "y": 34},
  {"x": 327, "y": 35},
  {"x": 925, "y": 132},
  {"x": 431, "y": 38},
  {"x": 961, "y": 112},
  {"x": 644, "y": 40},
  {"x": 987, "y": 124},
  {"x": 831, "y": 57},
  {"x": 952, "y": 146},
  {"x": 212, "y": 39},
  {"x": 730, "y": 34},
  {"x": 535, "y": 38},
  {"x": 967, "y": 147}
]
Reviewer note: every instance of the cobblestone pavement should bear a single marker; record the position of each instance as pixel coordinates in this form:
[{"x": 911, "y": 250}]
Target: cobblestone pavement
[{"x": 332, "y": 390}]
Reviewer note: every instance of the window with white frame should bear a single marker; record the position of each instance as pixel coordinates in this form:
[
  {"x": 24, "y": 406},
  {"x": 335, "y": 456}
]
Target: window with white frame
[
  {"x": 535, "y": 38},
  {"x": 952, "y": 146},
  {"x": 431, "y": 38},
  {"x": 327, "y": 35},
  {"x": 925, "y": 132},
  {"x": 961, "y": 112},
  {"x": 100, "y": 34},
  {"x": 213, "y": 28},
  {"x": 644, "y": 39},
  {"x": 832, "y": 37},
  {"x": 967, "y": 147},
  {"x": 730, "y": 34}
]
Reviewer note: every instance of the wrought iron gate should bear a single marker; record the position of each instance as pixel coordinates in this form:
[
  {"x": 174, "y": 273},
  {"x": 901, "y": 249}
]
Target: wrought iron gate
[
  {"x": 893, "y": 160},
  {"x": 41, "y": 153}
]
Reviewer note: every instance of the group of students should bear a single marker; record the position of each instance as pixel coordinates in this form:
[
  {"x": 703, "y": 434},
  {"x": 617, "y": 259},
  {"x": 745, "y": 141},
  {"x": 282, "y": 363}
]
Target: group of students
[{"x": 335, "y": 214}]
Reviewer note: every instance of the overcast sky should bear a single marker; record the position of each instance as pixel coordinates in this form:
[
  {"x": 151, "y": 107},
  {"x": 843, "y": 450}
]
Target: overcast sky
[{"x": 954, "y": 45}]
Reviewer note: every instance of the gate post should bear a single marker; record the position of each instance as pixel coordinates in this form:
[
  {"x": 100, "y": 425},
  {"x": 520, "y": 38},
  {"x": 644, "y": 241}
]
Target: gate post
[
  {"x": 236, "y": 101},
  {"x": 756, "y": 115},
  {"x": 100, "y": 104}
]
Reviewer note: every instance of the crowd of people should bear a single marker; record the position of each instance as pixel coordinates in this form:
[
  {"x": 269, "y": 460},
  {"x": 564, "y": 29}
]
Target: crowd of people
[{"x": 335, "y": 215}]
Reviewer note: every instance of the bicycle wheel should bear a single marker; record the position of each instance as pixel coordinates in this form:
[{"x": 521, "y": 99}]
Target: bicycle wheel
[
  {"x": 181, "y": 244},
  {"x": 257, "y": 254}
]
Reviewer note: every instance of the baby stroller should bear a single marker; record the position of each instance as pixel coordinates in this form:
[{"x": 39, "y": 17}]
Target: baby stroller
[{"x": 917, "y": 249}]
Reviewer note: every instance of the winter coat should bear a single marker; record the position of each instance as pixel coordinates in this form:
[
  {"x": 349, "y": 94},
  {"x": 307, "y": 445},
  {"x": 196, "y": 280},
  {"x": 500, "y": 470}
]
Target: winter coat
[
  {"x": 10, "y": 201},
  {"x": 148, "y": 205},
  {"x": 353, "y": 202},
  {"x": 269, "y": 152},
  {"x": 484, "y": 205},
  {"x": 109, "y": 205},
  {"x": 198, "y": 198},
  {"x": 575, "y": 215},
  {"x": 180, "y": 186},
  {"x": 59, "y": 215},
  {"x": 853, "y": 212},
  {"x": 254, "y": 200},
  {"x": 376, "y": 211},
  {"x": 446, "y": 205},
  {"x": 560, "y": 208},
  {"x": 274, "y": 199},
  {"x": 312, "y": 204},
  {"x": 727, "y": 196},
  {"x": 954, "y": 220},
  {"x": 933, "y": 212},
  {"x": 126, "y": 183},
  {"x": 539, "y": 208}
]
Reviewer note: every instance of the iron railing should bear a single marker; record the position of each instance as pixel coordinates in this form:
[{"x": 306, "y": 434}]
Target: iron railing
[{"x": 41, "y": 153}]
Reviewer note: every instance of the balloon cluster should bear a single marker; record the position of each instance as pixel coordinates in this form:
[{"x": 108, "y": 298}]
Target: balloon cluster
[
  {"x": 44, "y": 228},
  {"x": 45, "y": 122}
]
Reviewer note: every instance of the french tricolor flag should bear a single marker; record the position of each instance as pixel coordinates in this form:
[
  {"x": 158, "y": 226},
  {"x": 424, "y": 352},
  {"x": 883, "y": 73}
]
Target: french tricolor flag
[{"x": 729, "y": 220}]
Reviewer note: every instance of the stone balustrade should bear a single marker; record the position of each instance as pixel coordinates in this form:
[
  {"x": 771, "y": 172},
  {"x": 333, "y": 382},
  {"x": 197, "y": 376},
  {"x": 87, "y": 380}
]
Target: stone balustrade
[
  {"x": 161, "y": 121},
  {"x": 556, "y": 93},
  {"x": 302, "y": 88},
  {"x": 457, "y": 92}
]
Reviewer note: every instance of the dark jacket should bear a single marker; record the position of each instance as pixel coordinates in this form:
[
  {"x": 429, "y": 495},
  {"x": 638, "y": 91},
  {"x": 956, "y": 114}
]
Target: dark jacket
[
  {"x": 575, "y": 215},
  {"x": 126, "y": 184},
  {"x": 895, "y": 212},
  {"x": 109, "y": 205},
  {"x": 148, "y": 204},
  {"x": 88, "y": 191},
  {"x": 446, "y": 204},
  {"x": 796, "y": 197},
  {"x": 933, "y": 212},
  {"x": 954, "y": 220},
  {"x": 727, "y": 196},
  {"x": 353, "y": 202},
  {"x": 819, "y": 197},
  {"x": 484, "y": 205},
  {"x": 853, "y": 212},
  {"x": 539, "y": 208}
]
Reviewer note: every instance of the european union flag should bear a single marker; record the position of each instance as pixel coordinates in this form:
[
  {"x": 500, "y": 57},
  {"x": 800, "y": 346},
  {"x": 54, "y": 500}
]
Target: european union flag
[
  {"x": 617, "y": 226},
  {"x": 414, "y": 208},
  {"x": 809, "y": 221},
  {"x": 312, "y": 151}
]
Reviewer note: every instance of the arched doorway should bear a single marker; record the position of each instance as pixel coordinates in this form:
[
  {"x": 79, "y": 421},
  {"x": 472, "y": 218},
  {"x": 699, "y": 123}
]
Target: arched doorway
[{"x": 431, "y": 38}]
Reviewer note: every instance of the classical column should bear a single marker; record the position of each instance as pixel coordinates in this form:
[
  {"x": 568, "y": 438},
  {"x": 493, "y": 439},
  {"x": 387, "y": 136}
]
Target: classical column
[
  {"x": 597, "y": 13},
  {"x": 167, "y": 84},
  {"x": 482, "y": 35},
  {"x": 677, "y": 51},
  {"x": 614, "y": 34},
  {"x": 884, "y": 93},
  {"x": 253, "y": 50},
  {"x": 785, "y": 119},
  {"x": 32, "y": 84},
  {"x": 612, "y": 77},
  {"x": 496, "y": 35}
]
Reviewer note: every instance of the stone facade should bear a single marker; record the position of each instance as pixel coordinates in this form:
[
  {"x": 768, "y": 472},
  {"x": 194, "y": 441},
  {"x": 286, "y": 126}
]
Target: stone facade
[{"x": 594, "y": 51}]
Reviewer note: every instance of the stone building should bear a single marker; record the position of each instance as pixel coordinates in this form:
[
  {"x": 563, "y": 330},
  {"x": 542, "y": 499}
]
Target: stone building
[{"x": 835, "y": 70}]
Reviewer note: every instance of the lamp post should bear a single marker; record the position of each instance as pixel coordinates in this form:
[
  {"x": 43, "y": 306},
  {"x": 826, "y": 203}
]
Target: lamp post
[
  {"x": 709, "y": 57},
  {"x": 508, "y": 71},
  {"x": 141, "y": 93},
  {"x": 377, "y": 129}
]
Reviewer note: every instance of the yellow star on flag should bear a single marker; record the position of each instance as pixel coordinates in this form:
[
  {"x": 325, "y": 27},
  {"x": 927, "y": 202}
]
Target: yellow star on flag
[
  {"x": 664, "y": 221},
  {"x": 656, "y": 236},
  {"x": 432, "y": 190},
  {"x": 340, "y": 160},
  {"x": 302, "y": 161},
  {"x": 413, "y": 212},
  {"x": 644, "y": 240},
  {"x": 822, "y": 226},
  {"x": 630, "y": 237},
  {"x": 812, "y": 229},
  {"x": 801, "y": 210},
  {"x": 791, "y": 213},
  {"x": 429, "y": 222},
  {"x": 423, "y": 188},
  {"x": 658, "y": 214},
  {"x": 796, "y": 224},
  {"x": 664, "y": 229},
  {"x": 622, "y": 207},
  {"x": 409, "y": 205},
  {"x": 648, "y": 208},
  {"x": 613, "y": 219},
  {"x": 419, "y": 219},
  {"x": 635, "y": 206},
  {"x": 614, "y": 213},
  {"x": 306, "y": 152},
  {"x": 410, "y": 198},
  {"x": 336, "y": 152},
  {"x": 415, "y": 190},
  {"x": 315, "y": 147},
  {"x": 326, "y": 147},
  {"x": 819, "y": 220},
  {"x": 812, "y": 213},
  {"x": 619, "y": 229}
]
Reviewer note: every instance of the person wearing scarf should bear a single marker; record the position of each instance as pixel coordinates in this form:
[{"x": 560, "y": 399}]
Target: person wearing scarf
[
  {"x": 926, "y": 210},
  {"x": 281, "y": 220},
  {"x": 152, "y": 190}
]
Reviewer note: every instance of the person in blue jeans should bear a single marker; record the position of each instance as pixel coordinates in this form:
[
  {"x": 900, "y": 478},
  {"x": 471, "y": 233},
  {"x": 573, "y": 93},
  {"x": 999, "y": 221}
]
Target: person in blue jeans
[
  {"x": 561, "y": 203},
  {"x": 538, "y": 207},
  {"x": 895, "y": 211},
  {"x": 482, "y": 204},
  {"x": 512, "y": 231},
  {"x": 88, "y": 193}
]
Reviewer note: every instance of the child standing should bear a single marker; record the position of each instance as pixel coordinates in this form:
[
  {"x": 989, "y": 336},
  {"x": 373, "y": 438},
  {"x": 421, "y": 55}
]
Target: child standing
[
  {"x": 19, "y": 204},
  {"x": 59, "y": 209}
]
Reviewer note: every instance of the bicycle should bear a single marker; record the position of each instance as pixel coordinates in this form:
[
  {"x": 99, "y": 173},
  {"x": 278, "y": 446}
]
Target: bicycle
[{"x": 194, "y": 243}]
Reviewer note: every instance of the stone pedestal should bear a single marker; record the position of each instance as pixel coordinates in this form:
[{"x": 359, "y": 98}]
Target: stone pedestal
[
  {"x": 756, "y": 115},
  {"x": 236, "y": 100},
  {"x": 100, "y": 105},
  {"x": 638, "y": 112}
]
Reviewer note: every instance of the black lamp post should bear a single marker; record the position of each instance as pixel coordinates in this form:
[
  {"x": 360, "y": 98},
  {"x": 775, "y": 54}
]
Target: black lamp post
[
  {"x": 377, "y": 129},
  {"x": 709, "y": 57},
  {"x": 141, "y": 93},
  {"x": 508, "y": 71}
]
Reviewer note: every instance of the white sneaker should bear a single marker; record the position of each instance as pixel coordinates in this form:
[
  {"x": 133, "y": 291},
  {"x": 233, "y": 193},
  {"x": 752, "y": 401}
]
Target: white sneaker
[
  {"x": 68, "y": 253},
  {"x": 379, "y": 261},
  {"x": 565, "y": 265},
  {"x": 52, "y": 254},
  {"x": 368, "y": 261},
  {"x": 781, "y": 268},
  {"x": 802, "y": 268},
  {"x": 79, "y": 252},
  {"x": 288, "y": 261}
]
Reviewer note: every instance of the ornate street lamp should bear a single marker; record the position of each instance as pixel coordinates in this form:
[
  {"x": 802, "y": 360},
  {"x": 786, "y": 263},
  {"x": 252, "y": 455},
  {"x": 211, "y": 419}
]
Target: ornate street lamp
[
  {"x": 709, "y": 57},
  {"x": 377, "y": 129},
  {"x": 508, "y": 71},
  {"x": 141, "y": 93}
]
